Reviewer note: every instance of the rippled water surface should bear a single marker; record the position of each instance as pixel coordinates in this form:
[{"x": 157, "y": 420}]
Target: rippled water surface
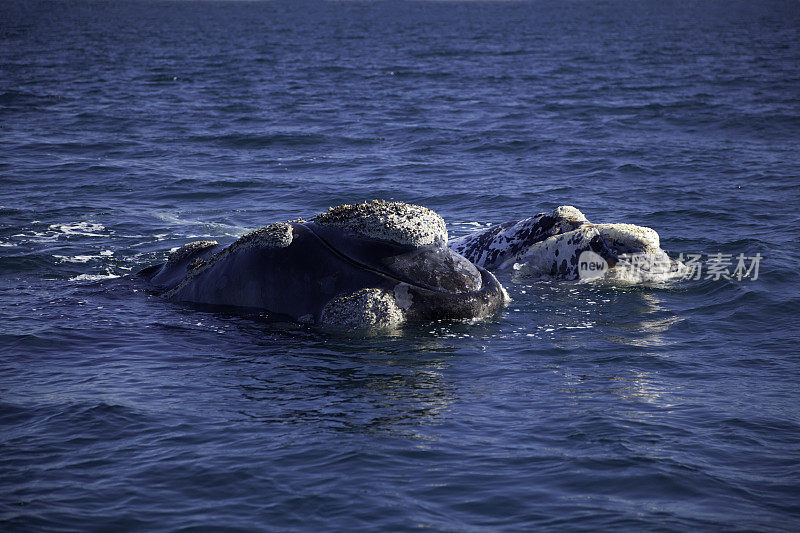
[{"x": 130, "y": 128}]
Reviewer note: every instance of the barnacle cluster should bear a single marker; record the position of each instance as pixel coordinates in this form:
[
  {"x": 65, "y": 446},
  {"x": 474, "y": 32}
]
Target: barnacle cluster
[
  {"x": 397, "y": 222},
  {"x": 363, "y": 309}
]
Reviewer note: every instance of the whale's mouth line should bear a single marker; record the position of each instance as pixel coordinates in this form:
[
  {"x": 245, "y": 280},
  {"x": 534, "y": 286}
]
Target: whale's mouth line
[
  {"x": 357, "y": 263},
  {"x": 374, "y": 270}
]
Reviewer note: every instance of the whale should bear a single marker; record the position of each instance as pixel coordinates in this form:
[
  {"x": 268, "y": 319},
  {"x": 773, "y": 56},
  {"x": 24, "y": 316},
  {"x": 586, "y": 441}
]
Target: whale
[
  {"x": 374, "y": 265},
  {"x": 557, "y": 244}
]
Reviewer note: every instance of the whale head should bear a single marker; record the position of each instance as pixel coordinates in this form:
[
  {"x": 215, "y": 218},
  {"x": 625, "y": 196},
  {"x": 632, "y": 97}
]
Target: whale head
[
  {"x": 634, "y": 254},
  {"x": 407, "y": 245},
  {"x": 565, "y": 241}
]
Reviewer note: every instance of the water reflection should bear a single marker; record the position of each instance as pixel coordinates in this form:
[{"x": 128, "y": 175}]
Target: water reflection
[
  {"x": 645, "y": 320},
  {"x": 404, "y": 385},
  {"x": 578, "y": 316},
  {"x": 612, "y": 337},
  {"x": 387, "y": 384}
]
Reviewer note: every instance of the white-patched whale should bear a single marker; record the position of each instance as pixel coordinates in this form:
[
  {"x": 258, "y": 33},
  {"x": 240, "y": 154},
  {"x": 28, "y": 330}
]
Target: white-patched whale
[
  {"x": 552, "y": 244},
  {"x": 372, "y": 265}
]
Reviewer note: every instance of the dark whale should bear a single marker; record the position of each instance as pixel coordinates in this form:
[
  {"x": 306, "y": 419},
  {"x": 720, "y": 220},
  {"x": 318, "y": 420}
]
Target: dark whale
[{"x": 373, "y": 265}]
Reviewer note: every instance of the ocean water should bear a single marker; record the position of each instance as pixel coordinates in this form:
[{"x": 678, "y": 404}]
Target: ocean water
[{"x": 130, "y": 128}]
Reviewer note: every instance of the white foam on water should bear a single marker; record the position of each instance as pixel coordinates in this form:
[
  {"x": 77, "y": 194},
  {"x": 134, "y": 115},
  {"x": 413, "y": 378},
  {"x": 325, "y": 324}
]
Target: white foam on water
[
  {"x": 89, "y": 229},
  {"x": 94, "y": 277},
  {"x": 83, "y": 258},
  {"x": 38, "y": 236},
  {"x": 74, "y": 259},
  {"x": 56, "y": 231}
]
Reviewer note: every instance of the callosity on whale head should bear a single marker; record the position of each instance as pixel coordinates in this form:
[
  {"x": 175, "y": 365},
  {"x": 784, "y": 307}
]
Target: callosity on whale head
[
  {"x": 364, "y": 266},
  {"x": 556, "y": 244}
]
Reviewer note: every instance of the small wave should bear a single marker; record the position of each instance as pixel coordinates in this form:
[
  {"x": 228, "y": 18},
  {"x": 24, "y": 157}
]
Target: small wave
[
  {"x": 218, "y": 228},
  {"x": 265, "y": 140},
  {"x": 21, "y": 99},
  {"x": 458, "y": 229}
]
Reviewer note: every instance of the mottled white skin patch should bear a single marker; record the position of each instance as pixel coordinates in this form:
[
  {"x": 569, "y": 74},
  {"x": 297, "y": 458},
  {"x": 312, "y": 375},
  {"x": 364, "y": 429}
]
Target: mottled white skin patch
[
  {"x": 366, "y": 309},
  {"x": 554, "y": 255},
  {"x": 396, "y": 222},
  {"x": 501, "y": 246},
  {"x": 278, "y": 235},
  {"x": 540, "y": 245}
]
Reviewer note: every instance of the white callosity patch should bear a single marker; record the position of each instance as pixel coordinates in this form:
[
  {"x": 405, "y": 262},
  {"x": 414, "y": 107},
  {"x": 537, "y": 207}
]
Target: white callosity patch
[
  {"x": 568, "y": 212},
  {"x": 363, "y": 309},
  {"x": 567, "y": 218},
  {"x": 636, "y": 238},
  {"x": 188, "y": 249},
  {"x": 277, "y": 235},
  {"x": 639, "y": 253},
  {"x": 396, "y": 222}
]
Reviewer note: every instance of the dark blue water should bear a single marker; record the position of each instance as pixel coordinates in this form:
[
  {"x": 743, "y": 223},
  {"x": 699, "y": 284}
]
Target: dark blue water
[{"x": 129, "y": 128}]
